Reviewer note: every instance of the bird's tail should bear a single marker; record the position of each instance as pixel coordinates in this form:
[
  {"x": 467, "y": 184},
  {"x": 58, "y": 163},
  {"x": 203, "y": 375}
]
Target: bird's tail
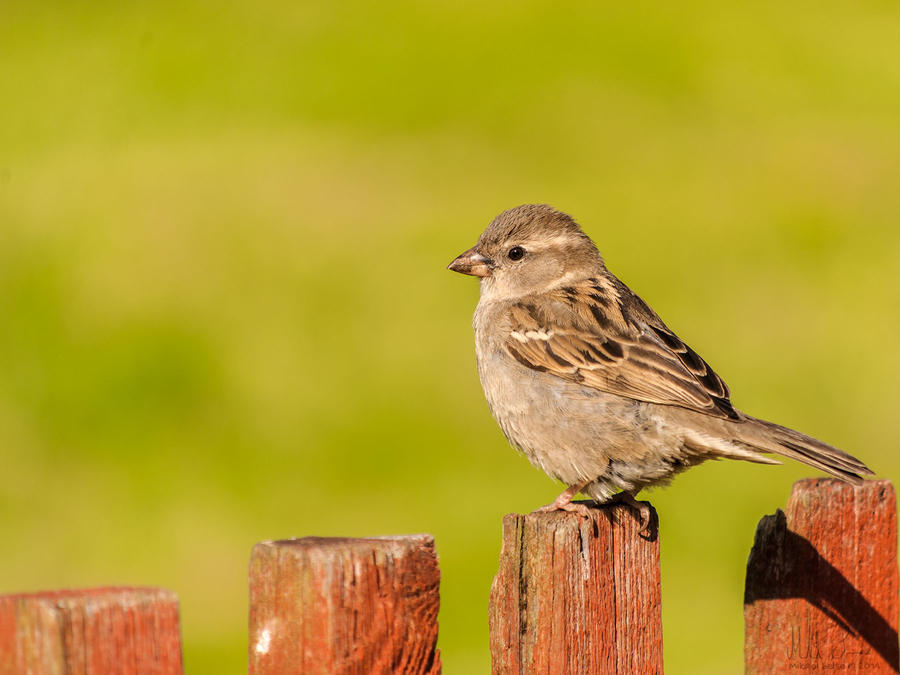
[{"x": 770, "y": 437}]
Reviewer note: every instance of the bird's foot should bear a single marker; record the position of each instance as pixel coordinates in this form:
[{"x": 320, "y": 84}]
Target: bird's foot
[
  {"x": 572, "y": 507},
  {"x": 564, "y": 503},
  {"x": 643, "y": 509}
]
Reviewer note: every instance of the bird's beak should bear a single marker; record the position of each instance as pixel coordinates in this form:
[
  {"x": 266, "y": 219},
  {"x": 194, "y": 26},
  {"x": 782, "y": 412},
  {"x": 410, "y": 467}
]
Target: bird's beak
[{"x": 470, "y": 262}]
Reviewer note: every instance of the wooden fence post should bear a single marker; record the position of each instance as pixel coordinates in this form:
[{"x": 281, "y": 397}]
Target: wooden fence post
[
  {"x": 83, "y": 632},
  {"x": 821, "y": 591},
  {"x": 577, "y": 595},
  {"x": 350, "y": 606}
]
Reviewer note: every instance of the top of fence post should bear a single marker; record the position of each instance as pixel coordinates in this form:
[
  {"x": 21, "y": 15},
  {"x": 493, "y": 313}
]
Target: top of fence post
[
  {"x": 93, "y": 630},
  {"x": 577, "y": 595},
  {"x": 339, "y": 605},
  {"x": 822, "y": 584}
]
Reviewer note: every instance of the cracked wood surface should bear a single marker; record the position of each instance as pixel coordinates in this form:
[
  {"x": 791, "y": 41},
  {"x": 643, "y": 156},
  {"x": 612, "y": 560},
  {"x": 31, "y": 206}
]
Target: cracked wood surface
[
  {"x": 577, "y": 595},
  {"x": 334, "y": 605},
  {"x": 91, "y": 632},
  {"x": 821, "y": 590}
]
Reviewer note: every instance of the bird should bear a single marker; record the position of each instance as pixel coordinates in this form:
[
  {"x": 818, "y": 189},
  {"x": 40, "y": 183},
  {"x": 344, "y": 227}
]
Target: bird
[{"x": 590, "y": 384}]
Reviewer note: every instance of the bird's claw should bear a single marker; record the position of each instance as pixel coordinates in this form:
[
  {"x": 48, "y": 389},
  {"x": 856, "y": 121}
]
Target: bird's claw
[
  {"x": 643, "y": 508},
  {"x": 571, "y": 507}
]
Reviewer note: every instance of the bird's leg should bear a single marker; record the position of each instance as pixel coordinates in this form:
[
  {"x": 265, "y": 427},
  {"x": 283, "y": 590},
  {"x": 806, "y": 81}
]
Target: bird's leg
[
  {"x": 564, "y": 501},
  {"x": 643, "y": 508}
]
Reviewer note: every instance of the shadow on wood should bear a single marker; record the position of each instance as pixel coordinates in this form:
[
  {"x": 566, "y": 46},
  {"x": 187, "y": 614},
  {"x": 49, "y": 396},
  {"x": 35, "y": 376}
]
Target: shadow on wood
[
  {"x": 821, "y": 590},
  {"x": 577, "y": 595}
]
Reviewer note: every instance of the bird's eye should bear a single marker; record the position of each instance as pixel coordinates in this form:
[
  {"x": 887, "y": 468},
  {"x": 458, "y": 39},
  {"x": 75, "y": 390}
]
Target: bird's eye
[{"x": 516, "y": 253}]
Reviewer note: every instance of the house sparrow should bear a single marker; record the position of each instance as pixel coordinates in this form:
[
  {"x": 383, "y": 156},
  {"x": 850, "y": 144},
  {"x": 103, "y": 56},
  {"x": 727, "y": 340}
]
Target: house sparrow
[{"x": 590, "y": 384}]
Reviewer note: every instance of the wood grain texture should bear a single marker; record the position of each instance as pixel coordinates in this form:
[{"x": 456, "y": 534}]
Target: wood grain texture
[
  {"x": 821, "y": 590},
  {"x": 90, "y": 632},
  {"x": 334, "y": 605},
  {"x": 577, "y": 595}
]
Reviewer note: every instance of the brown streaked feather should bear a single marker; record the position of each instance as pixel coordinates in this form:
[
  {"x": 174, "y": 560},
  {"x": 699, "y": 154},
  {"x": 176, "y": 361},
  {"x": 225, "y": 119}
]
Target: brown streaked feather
[{"x": 600, "y": 334}]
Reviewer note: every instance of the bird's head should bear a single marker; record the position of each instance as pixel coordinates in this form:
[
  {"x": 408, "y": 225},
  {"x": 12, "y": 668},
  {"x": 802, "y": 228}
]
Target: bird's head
[{"x": 529, "y": 249}]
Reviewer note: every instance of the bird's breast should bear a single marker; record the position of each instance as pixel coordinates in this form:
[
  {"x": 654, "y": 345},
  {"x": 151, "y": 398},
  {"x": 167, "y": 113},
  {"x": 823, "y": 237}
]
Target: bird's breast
[{"x": 567, "y": 430}]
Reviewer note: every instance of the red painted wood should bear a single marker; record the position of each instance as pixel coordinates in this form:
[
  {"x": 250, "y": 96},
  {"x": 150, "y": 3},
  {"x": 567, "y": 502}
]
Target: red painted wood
[
  {"x": 822, "y": 584},
  {"x": 91, "y": 632},
  {"x": 576, "y": 595},
  {"x": 333, "y": 605}
]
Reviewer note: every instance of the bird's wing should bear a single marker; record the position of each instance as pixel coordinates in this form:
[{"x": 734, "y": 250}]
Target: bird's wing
[{"x": 601, "y": 335}]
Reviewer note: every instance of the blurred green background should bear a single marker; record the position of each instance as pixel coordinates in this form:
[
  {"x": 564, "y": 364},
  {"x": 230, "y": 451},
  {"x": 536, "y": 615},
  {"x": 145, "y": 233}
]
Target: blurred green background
[{"x": 225, "y": 313}]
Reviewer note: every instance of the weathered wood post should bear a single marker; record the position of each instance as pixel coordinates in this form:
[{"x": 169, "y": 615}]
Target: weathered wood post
[
  {"x": 577, "y": 595},
  {"x": 821, "y": 591},
  {"x": 99, "y": 630},
  {"x": 350, "y": 606}
]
